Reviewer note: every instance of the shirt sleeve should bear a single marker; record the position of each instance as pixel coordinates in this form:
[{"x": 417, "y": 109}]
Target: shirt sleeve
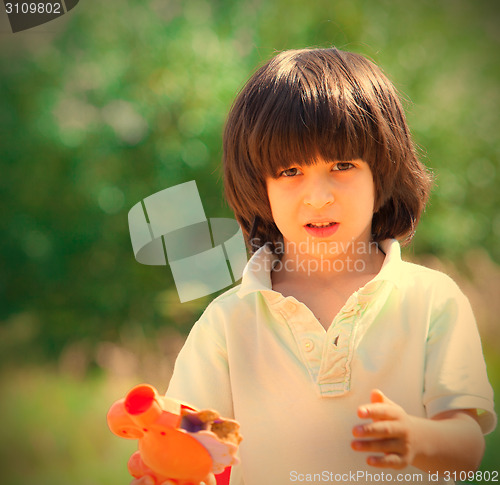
[
  {"x": 201, "y": 371},
  {"x": 455, "y": 371}
]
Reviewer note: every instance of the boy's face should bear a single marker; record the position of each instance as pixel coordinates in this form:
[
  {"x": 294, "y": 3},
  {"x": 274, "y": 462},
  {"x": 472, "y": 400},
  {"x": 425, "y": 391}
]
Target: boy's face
[{"x": 330, "y": 203}]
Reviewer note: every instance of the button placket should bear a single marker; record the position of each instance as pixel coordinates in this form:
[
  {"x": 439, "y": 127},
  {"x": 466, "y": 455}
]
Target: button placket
[
  {"x": 355, "y": 309},
  {"x": 306, "y": 333},
  {"x": 335, "y": 370}
]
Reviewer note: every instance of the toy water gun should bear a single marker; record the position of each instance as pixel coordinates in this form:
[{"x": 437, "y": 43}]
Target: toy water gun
[{"x": 176, "y": 442}]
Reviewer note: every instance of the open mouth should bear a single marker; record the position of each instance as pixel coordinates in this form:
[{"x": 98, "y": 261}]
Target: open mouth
[
  {"x": 320, "y": 224},
  {"x": 321, "y": 229}
]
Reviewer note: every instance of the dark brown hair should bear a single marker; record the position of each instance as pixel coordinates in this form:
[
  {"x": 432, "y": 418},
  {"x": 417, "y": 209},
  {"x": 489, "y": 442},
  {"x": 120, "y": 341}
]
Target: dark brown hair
[{"x": 310, "y": 103}]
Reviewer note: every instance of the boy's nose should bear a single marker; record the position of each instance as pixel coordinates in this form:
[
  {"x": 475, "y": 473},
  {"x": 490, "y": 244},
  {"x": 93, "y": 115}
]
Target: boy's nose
[{"x": 318, "y": 195}]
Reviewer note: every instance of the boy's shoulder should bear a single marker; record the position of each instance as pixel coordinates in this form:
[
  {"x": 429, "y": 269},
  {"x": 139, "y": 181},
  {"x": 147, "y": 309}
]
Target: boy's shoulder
[
  {"x": 415, "y": 269},
  {"x": 227, "y": 304},
  {"x": 417, "y": 277},
  {"x": 409, "y": 275},
  {"x": 229, "y": 296}
]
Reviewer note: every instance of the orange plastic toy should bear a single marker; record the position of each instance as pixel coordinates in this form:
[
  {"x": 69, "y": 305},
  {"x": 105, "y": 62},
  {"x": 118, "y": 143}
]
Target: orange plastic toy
[{"x": 173, "y": 443}]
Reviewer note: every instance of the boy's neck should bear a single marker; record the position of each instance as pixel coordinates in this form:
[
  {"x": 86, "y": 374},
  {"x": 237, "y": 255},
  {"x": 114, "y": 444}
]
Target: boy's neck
[
  {"x": 355, "y": 261},
  {"x": 325, "y": 284}
]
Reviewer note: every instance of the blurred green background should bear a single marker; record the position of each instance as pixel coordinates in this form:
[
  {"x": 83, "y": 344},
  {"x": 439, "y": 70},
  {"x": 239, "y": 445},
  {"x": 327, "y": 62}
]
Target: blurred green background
[{"x": 120, "y": 99}]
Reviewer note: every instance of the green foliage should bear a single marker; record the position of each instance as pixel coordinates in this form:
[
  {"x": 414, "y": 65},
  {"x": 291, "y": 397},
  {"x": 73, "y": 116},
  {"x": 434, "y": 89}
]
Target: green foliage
[{"x": 55, "y": 432}]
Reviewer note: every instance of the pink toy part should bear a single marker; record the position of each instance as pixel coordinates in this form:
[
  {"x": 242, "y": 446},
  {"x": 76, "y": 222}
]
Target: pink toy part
[{"x": 166, "y": 450}]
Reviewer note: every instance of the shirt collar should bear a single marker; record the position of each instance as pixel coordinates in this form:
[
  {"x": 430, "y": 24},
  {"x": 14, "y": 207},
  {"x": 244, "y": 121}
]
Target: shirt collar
[
  {"x": 257, "y": 272},
  {"x": 391, "y": 267}
]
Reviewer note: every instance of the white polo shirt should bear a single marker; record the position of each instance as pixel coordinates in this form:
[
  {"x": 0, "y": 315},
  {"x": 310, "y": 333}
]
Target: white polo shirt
[{"x": 295, "y": 387}]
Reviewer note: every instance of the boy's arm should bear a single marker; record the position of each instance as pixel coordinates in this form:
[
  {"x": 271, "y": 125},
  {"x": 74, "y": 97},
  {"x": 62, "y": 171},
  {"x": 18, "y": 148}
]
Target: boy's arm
[{"x": 451, "y": 441}]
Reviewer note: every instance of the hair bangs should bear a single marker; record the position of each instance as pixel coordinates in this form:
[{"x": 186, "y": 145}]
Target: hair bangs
[{"x": 302, "y": 117}]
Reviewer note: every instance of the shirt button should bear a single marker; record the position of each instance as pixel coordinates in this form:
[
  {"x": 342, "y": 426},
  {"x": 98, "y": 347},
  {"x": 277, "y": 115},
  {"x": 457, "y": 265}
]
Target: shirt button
[{"x": 308, "y": 345}]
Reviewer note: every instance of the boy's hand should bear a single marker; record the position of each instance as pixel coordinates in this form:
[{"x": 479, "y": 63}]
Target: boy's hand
[
  {"x": 148, "y": 480},
  {"x": 145, "y": 480},
  {"x": 391, "y": 432}
]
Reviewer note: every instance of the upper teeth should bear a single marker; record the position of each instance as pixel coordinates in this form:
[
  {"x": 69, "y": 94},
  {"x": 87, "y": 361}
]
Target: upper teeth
[{"x": 320, "y": 224}]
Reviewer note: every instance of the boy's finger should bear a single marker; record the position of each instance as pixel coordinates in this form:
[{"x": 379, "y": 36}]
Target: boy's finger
[
  {"x": 209, "y": 480},
  {"x": 392, "y": 460},
  {"x": 378, "y": 396},
  {"x": 145, "y": 480},
  {"x": 379, "y": 411},
  {"x": 390, "y": 446},
  {"x": 378, "y": 429}
]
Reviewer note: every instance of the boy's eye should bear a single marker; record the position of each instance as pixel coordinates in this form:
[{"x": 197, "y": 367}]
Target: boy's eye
[
  {"x": 289, "y": 172},
  {"x": 342, "y": 166}
]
